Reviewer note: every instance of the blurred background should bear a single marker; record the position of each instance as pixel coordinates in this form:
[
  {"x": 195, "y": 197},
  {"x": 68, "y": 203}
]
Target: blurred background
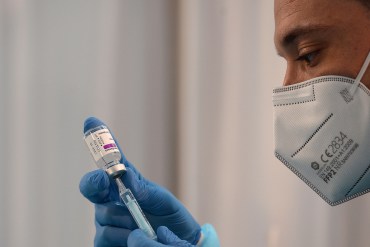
[{"x": 186, "y": 87}]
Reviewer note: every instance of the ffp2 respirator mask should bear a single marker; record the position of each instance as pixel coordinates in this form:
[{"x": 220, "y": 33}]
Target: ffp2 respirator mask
[{"x": 322, "y": 133}]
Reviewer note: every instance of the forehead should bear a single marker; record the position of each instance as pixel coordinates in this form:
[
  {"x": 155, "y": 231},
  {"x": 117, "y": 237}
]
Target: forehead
[
  {"x": 292, "y": 13},
  {"x": 288, "y": 8}
]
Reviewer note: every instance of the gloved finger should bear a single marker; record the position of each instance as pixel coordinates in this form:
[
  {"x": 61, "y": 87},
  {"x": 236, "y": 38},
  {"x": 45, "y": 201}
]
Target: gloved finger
[
  {"x": 161, "y": 207},
  {"x": 113, "y": 214},
  {"x": 167, "y": 237},
  {"x": 152, "y": 198},
  {"x": 107, "y": 236},
  {"x": 138, "y": 238},
  {"x": 97, "y": 187}
]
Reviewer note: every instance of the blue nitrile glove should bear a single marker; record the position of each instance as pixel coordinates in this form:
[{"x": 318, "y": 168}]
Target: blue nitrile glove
[
  {"x": 138, "y": 238},
  {"x": 113, "y": 221}
]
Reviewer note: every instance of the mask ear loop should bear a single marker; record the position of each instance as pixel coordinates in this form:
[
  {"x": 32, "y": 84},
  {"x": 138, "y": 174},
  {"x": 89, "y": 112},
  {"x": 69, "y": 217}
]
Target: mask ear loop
[{"x": 355, "y": 85}]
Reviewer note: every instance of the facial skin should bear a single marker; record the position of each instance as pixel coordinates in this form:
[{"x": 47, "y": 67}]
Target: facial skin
[{"x": 322, "y": 37}]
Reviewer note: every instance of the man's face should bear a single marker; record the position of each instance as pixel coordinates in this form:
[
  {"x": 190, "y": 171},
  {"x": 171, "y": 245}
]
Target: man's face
[{"x": 322, "y": 37}]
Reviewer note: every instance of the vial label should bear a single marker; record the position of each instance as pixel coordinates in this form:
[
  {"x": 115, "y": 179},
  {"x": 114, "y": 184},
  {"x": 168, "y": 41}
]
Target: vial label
[{"x": 101, "y": 144}]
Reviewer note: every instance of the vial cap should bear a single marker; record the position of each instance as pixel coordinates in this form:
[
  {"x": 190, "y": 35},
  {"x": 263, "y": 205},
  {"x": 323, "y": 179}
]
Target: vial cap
[{"x": 116, "y": 170}]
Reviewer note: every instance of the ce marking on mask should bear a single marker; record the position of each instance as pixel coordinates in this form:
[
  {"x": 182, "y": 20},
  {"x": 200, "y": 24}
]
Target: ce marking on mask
[{"x": 334, "y": 157}]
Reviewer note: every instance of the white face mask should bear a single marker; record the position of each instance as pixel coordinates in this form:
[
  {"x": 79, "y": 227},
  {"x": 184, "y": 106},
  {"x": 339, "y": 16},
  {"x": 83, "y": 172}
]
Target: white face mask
[{"x": 322, "y": 133}]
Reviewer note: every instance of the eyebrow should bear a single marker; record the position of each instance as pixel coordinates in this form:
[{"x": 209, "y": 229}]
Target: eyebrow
[{"x": 292, "y": 35}]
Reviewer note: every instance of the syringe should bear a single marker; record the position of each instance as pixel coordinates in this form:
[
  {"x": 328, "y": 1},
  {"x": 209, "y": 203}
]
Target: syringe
[
  {"x": 107, "y": 157},
  {"x": 135, "y": 210}
]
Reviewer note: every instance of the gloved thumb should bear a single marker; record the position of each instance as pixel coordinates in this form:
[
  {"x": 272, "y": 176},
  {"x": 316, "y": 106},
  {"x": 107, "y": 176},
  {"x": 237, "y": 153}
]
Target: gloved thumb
[
  {"x": 167, "y": 237},
  {"x": 138, "y": 238},
  {"x": 95, "y": 186}
]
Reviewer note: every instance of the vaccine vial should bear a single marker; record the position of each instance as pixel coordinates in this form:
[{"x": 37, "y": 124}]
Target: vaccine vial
[{"x": 104, "y": 150}]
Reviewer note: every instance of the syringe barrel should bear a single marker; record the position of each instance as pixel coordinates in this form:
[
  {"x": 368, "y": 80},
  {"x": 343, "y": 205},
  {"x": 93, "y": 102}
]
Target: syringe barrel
[
  {"x": 104, "y": 150},
  {"x": 136, "y": 212}
]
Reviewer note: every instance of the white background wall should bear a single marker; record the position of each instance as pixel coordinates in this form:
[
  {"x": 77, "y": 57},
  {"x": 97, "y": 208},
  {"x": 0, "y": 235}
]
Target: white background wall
[{"x": 186, "y": 87}]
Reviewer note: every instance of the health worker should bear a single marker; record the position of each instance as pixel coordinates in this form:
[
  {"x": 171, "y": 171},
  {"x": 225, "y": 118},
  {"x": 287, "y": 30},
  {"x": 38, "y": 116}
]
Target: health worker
[{"x": 321, "y": 126}]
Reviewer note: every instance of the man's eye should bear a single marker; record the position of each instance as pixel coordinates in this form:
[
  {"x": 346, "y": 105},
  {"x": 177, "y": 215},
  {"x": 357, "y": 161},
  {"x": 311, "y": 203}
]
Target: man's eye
[{"x": 308, "y": 58}]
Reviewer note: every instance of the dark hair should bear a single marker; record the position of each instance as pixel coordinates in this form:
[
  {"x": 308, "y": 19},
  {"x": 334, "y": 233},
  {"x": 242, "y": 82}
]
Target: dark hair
[{"x": 366, "y": 3}]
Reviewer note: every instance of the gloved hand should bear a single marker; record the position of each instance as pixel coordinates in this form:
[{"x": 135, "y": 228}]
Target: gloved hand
[
  {"x": 112, "y": 219},
  {"x": 137, "y": 238}
]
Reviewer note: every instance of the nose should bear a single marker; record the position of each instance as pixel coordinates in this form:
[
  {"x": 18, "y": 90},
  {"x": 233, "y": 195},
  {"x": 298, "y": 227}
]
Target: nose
[{"x": 290, "y": 77}]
